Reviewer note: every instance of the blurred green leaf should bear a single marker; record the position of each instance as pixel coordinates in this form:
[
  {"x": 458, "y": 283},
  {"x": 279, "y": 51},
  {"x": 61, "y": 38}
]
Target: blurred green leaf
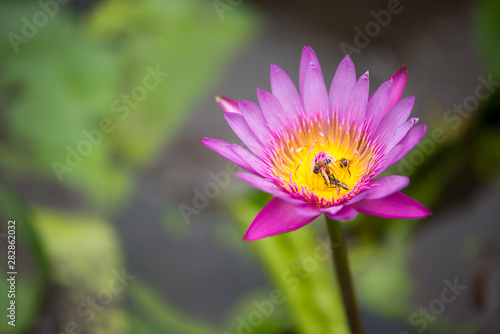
[
  {"x": 88, "y": 102},
  {"x": 182, "y": 38},
  {"x": 299, "y": 267},
  {"x": 487, "y": 27},
  {"x": 31, "y": 265},
  {"x": 86, "y": 263}
]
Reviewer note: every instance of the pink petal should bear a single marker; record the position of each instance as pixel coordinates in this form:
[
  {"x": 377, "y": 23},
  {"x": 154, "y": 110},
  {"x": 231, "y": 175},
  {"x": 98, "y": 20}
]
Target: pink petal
[
  {"x": 359, "y": 99},
  {"x": 277, "y": 217},
  {"x": 285, "y": 91},
  {"x": 255, "y": 120},
  {"x": 236, "y": 154},
  {"x": 307, "y": 61},
  {"x": 242, "y": 130},
  {"x": 398, "y": 86},
  {"x": 412, "y": 138},
  {"x": 271, "y": 109},
  {"x": 268, "y": 187},
  {"x": 315, "y": 96},
  {"x": 333, "y": 210},
  {"x": 377, "y": 103},
  {"x": 396, "y": 116},
  {"x": 347, "y": 213},
  {"x": 307, "y": 210},
  {"x": 386, "y": 185},
  {"x": 342, "y": 84},
  {"x": 227, "y": 104},
  {"x": 392, "y": 139},
  {"x": 397, "y": 205},
  {"x": 357, "y": 198}
]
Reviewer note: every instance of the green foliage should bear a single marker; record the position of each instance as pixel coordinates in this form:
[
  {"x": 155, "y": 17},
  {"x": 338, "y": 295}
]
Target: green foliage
[
  {"x": 31, "y": 281},
  {"x": 298, "y": 267},
  {"x": 85, "y": 259},
  {"x": 72, "y": 76},
  {"x": 487, "y": 27}
]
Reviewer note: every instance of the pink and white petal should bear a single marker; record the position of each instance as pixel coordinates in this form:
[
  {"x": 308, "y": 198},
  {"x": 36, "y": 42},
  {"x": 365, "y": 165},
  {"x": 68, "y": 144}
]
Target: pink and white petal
[
  {"x": 277, "y": 217},
  {"x": 255, "y": 120},
  {"x": 315, "y": 96},
  {"x": 412, "y": 138},
  {"x": 227, "y": 104},
  {"x": 254, "y": 162},
  {"x": 267, "y": 186},
  {"x": 342, "y": 84},
  {"x": 271, "y": 109},
  {"x": 332, "y": 210},
  {"x": 386, "y": 185},
  {"x": 396, "y": 116},
  {"x": 358, "y": 198},
  {"x": 377, "y": 103},
  {"x": 347, "y": 213},
  {"x": 258, "y": 182},
  {"x": 390, "y": 158},
  {"x": 307, "y": 210},
  {"x": 392, "y": 139},
  {"x": 398, "y": 85},
  {"x": 228, "y": 152},
  {"x": 242, "y": 130},
  {"x": 397, "y": 205},
  {"x": 359, "y": 99},
  {"x": 285, "y": 91},
  {"x": 307, "y": 61}
]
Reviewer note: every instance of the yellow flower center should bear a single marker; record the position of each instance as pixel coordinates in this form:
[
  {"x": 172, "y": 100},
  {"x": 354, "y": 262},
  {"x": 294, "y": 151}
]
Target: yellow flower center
[{"x": 323, "y": 162}]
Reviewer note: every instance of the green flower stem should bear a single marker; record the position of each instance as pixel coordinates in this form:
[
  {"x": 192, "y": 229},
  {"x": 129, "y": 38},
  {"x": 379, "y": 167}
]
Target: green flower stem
[{"x": 339, "y": 252}]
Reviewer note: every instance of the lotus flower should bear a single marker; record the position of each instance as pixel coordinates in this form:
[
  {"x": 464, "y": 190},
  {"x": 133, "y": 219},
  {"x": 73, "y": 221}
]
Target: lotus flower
[{"x": 320, "y": 152}]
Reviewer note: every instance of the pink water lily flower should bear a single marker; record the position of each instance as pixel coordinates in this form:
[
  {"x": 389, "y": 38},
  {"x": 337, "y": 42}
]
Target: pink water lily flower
[{"x": 319, "y": 151}]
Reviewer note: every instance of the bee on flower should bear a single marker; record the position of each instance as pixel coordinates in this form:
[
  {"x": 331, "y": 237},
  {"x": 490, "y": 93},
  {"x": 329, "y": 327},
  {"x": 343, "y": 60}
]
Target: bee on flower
[{"x": 320, "y": 151}]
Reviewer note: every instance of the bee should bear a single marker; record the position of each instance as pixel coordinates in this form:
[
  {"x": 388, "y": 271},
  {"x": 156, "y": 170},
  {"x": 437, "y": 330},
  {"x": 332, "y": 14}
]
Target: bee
[
  {"x": 344, "y": 163},
  {"x": 336, "y": 182},
  {"x": 322, "y": 164}
]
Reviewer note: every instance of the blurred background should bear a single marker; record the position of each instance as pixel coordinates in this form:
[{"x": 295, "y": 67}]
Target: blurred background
[{"x": 126, "y": 223}]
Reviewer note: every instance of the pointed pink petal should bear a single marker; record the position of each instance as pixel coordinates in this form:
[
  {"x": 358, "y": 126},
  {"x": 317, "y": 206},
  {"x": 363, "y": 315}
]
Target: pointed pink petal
[
  {"x": 236, "y": 154},
  {"x": 271, "y": 109},
  {"x": 347, "y": 213},
  {"x": 376, "y": 104},
  {"x": 285, "y": 91},
  {"x": 243, "y": 131},
  {"x": 398, "y": 85},
  {"x": 333, "y": 210},
  {"x": 307, "y": 210},
  {"x": 254, "y": 162},
  {"x": 255, "y": 120},
  {"x": 357, "y": 198},
  {"x": 390, "y": 158},
  {"x": 413, "y": 137},
  {"x": 277, "y": 217},
  {"x": 315, "y": 96},
  {"x": 225, "y": 150},
  {"x": 396, "y": 116},
  {"x": 392, "y": 139},
  {"x": 397, "y": 205},
  {"x": 307, "y": 62},
  {"x": 342, "y": 84},
  {"x": 227, "y": 104},
  {"x": 386, "y": 185},
  {"x": 359, "y": 99},
  {"x": 268, "y": 187}
]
